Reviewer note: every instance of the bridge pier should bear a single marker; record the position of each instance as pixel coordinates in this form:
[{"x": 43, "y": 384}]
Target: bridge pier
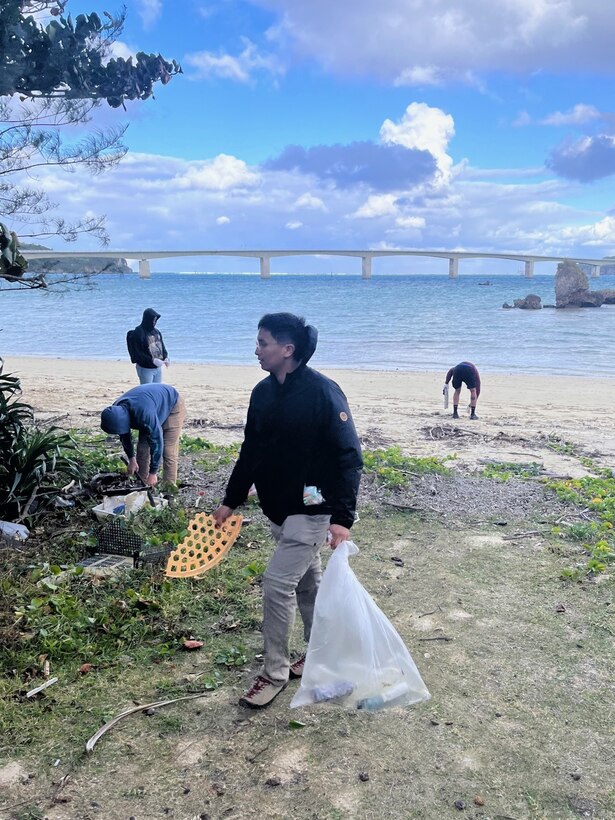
[
  {"x": 453, "y": 267},
  {"x": 366, "y": 267},
  {"x": 144, "y": 269},
  {"x": 265, "y": 267},
  {"x": 596, "y": 271},
  {"x": 529, "y": 269}
]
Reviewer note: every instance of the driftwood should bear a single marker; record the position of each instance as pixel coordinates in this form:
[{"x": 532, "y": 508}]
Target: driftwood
[{"x": 89, "y": 746}]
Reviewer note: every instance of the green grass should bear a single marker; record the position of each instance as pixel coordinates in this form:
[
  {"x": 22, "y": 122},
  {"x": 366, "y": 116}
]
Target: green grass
[
  {"x": 597, "y": 494},
  {"x": 122, "y": 625},
  {"x": 505, "y": 470},
  {"x": 393, "y": 469}
]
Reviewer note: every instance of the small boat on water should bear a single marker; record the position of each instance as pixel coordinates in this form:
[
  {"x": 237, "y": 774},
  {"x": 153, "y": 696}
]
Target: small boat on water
[{"x": 487, "y": 282}]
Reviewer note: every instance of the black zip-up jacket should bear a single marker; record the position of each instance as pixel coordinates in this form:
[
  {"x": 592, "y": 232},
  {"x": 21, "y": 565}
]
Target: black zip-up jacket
[
  {"x": 138, "y": 340},
  {"x": 299, "y": 433}
]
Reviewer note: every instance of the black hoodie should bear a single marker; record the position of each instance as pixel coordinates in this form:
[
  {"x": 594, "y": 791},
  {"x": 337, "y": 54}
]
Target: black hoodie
[
  {"x": 299, "y": 433},
  {"x": 145, "y": 342}
]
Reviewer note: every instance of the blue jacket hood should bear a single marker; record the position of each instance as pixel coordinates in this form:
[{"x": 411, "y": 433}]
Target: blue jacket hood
[{"x": 115, "y": 420}]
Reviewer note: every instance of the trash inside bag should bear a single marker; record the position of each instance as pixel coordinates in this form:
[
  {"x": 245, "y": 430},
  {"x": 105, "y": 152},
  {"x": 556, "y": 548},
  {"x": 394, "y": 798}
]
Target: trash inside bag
[
  {"x": 13, "y": 532},
  {"x": 355, "y": 658}
]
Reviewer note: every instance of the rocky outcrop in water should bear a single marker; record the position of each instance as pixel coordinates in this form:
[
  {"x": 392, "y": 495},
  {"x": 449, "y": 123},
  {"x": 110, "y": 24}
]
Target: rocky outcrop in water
[
  {"x": 530, "y": 302},
  {"x": 572, "y": 288}
]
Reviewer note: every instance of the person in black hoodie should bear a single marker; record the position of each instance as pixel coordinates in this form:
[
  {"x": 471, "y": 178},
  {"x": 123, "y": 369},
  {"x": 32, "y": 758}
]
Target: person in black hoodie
[
  {"x": 303, "y": 455},
  {"x": 146, "y": 348}
]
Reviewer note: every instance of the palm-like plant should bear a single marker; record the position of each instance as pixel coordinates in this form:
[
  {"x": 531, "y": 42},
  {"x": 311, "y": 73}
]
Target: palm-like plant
[{"x": 33, "y": 462}]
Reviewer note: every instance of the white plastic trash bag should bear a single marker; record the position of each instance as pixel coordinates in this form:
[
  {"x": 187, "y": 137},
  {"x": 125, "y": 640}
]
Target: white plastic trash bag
[
  {"x": 355, "y": 657},
  {"x": 13, "y": 532},
  {"x": 445, "y": 394}
]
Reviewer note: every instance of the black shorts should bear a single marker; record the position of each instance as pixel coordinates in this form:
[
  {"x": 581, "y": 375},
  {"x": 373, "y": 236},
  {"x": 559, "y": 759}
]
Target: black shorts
[{"x": 464, "y": 374}]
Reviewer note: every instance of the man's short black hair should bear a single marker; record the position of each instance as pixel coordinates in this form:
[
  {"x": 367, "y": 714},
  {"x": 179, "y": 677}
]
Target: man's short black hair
[{"x": 286, "y": 328}]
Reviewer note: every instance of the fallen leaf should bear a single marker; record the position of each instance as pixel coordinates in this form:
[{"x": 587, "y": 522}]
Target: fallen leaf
[
  {"x": 295, "y": 724},
  {"x": 192, "y": 644}
]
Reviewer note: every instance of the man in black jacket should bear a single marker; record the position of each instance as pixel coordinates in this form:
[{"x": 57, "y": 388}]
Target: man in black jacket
[
  {"x": 146, "y": 348},
  {"x": 302, "y": 453}
]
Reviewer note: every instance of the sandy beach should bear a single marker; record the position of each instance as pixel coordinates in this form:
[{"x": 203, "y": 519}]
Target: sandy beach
[{"x": 518, "y": 415}]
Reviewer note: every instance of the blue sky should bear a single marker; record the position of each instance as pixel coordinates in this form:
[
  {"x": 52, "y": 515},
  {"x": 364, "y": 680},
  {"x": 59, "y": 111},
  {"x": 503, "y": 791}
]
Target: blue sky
[{"x": 469, "y": 125}]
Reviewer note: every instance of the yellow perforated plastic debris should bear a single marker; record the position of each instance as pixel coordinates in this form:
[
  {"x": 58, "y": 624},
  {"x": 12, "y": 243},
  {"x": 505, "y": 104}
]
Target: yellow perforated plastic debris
[{"x": 203, "y": 547}]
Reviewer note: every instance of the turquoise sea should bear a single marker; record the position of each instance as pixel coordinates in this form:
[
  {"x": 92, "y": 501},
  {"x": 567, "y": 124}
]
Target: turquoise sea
[{"x": 409, "y": 322}]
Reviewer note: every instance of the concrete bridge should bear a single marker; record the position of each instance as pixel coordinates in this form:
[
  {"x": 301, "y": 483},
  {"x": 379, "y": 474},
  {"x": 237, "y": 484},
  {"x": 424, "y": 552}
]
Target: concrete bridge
[{"x": 366, "y": 256}]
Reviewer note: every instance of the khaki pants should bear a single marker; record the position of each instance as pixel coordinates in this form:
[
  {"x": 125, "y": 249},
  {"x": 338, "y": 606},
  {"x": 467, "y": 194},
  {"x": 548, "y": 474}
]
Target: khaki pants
[
  {"x": 291, "y": 580},
  {"x": 171, "y": 431}
]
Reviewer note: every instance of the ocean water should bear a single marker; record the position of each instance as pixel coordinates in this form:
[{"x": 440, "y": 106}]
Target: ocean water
[{"x": 409, "y": 322}]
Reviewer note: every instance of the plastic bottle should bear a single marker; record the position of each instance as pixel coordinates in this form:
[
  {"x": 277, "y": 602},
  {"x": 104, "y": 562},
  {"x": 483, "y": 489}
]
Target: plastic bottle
[{"x": 384, "y": 698}]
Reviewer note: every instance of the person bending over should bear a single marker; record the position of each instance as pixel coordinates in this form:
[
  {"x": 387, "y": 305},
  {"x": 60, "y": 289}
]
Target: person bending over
[
  {"x": 303, "y": 455},
  {"x": 464, "y": 373},
  {"x": 157, "y": 411}
]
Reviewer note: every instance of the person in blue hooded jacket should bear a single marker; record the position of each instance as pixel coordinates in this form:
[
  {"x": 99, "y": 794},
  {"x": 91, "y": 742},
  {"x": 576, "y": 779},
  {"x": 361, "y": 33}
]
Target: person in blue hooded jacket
[{"x": 157, "y": 412}]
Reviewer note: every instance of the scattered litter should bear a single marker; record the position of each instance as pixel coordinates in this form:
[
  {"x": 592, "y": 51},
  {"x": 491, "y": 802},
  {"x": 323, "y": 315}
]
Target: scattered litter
[
  {"x": 40, "y": 688},
  {"x": 126, "y": 505},
  {"x": 191, "y": 645},
  {"x": 104, "y": 565},
  {"x": 204, "y": 546},
  {"x": 13, "y": 532}
]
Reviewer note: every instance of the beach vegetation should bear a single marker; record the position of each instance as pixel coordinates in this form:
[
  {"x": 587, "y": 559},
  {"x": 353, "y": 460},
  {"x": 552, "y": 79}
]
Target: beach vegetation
[
  {"x": 96, "y": 452},
  {"x": 54, "y": 72},
  {"x": 118, "y": 641},
  {"x": 505, "y": 470},
  {"x": 560, "y": 445},
  {"x": 57, "y": 619},
  {"x": 34, "y": 463},
  {"x": 394, "y": 469},
  {"x": 209, "y": 456},
  {"x": 596, "y": 495}
]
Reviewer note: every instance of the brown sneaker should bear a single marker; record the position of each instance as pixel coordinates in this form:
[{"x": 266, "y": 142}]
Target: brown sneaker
[
  {"x": 261, "y": 693},
  {"x": 296, "y": 667}
]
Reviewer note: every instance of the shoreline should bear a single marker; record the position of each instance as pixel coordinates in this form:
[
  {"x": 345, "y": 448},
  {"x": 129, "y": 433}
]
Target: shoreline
[
  {"x": 521, "y": 417},
  {"x": 506, "y": 374}
]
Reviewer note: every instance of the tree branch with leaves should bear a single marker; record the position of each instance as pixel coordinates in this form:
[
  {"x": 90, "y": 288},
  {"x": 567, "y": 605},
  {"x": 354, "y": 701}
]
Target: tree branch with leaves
[{"x": 54, "y": 73}]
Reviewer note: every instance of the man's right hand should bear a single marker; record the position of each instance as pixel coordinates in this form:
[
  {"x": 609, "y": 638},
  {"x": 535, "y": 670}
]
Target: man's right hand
[
  {"x": 132, "y": 466},
  {"x": 221, "y": 514}
]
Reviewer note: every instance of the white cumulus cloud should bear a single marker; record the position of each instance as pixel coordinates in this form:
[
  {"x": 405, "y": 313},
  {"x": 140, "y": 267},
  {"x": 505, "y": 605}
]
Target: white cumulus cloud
[
  {"x": 378, "y": 205},
  {"x": 424, "y": 128},
  {"x": 222, "y": 220},
  {"x": 219, "y": 174},
  {"x": 307, "y": 200}
]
